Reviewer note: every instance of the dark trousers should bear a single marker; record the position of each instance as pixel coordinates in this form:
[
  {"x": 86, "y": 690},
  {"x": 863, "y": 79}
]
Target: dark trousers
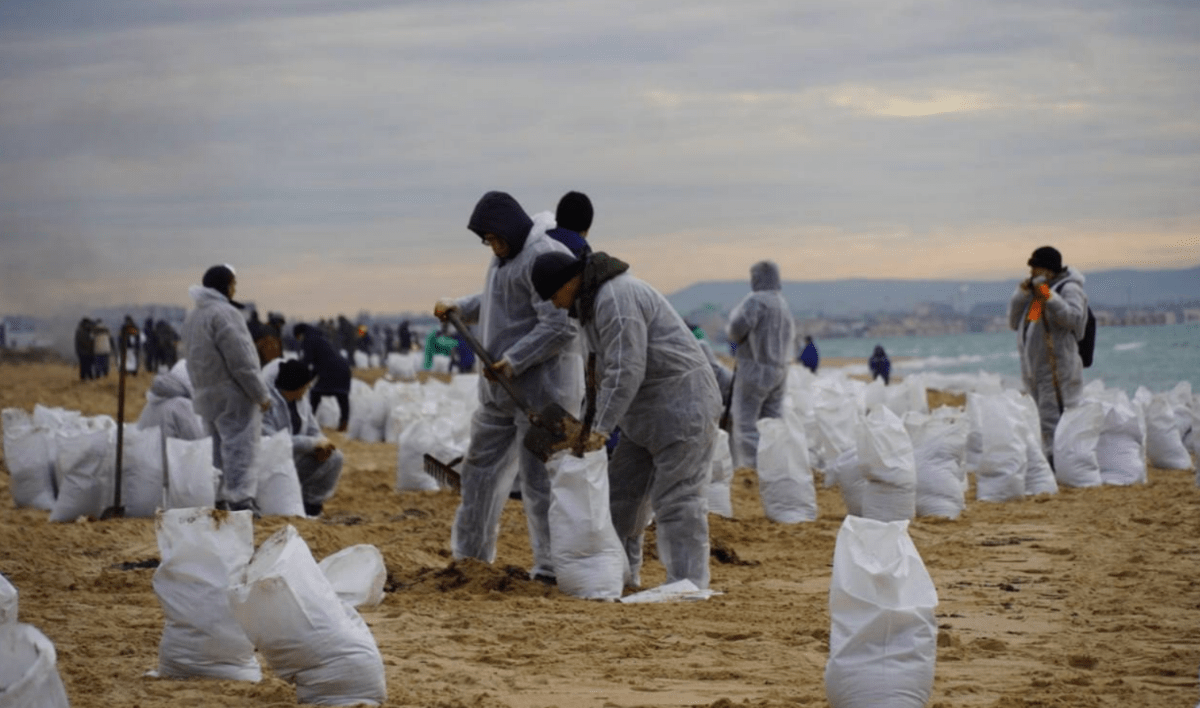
[
  {"x": 87, "y": 367},
  {"x": 343, "y": 399}
]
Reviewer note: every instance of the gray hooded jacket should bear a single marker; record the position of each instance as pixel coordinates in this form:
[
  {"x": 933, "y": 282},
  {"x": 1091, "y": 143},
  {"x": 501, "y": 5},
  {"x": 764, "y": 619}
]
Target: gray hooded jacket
[
  {"x": 515, "y": 323},
  {"x": 1064, "y": 317},
  {"x": 761, "y": 325},
  {"x": 655, "y": 382},
  {"x": 169, "y": 406},
  {"x": 221, "y": 359}
]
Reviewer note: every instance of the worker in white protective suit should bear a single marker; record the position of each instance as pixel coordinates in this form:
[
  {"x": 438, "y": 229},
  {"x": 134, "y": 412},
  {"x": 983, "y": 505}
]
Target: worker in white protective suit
[
  {"x": 530, "y": 341},
  {"x": 656, "y": 384},
  {"x": 1049, "y": 311},
  {"x": 169, "y": 405},
  {"x": 761, "y": 326},
  {"x": 318, "y": 461},
  {"x": 230, "y": 394}
]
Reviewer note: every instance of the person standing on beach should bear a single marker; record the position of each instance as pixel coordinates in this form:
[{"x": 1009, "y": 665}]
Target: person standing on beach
[
  {"x": 656, "y": 385},
  {"x": 230, "y": 395},
  {"x": 331, "y": 368},
  {"x": 761, "y": 325},
  {"x": 102, "y": 346},
  {"x": 85, "y": 350},
  {"x": 880, "y": 365},
  {"x": 574, "y": 219},
  {"x": 531, "y": 343},
  {"x": 1049, "y": 312},
  {"x": 809, "y": 356}
]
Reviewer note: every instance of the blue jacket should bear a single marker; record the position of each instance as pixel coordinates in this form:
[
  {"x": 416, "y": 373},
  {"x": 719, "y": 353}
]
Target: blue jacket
[
  {"x": 572, "y": 240},
  {"x": 809, "y": 356}
]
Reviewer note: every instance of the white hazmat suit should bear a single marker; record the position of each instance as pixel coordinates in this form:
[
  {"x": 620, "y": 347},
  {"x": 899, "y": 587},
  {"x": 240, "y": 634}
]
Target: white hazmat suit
[
  {"x": 229, "y": 391},
  {"x": 169, "y": 406},
  {"x": 1066, "y": 314},
  {"x": 536, "y": 339},
  {"x": 761, "y": 326},
  {"x": 318, "y": 479},
  {"x": 656, "y": 384}
]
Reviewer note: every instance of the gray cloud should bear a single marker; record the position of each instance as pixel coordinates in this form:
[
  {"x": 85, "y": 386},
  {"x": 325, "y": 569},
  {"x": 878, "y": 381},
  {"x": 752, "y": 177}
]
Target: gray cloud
[{"x": 181, "y": 132}]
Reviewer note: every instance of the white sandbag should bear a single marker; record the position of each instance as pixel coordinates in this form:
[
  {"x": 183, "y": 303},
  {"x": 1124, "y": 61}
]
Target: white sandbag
[
  {"x": 402, "y": 367},
  {"x": 883, "y": 633},
  {"x": 974, "y": 433},
  {"x": 1181, "y": 400},
  {"x": 202, "y": 551},
  {"x": 721, "y": 477},
  {"x": 850, "y": 478},
  {"x": 279, "y": 492},
  {"x": 368, "y": 415},
  {"x": 1164, "y": 444},
  {"x": 908, "y": 395},
  {"x": 1196, "y": 434},
  {"x": 1121, "y": 451},
  {"x": 1039, "y": 475},
  {"x": 939, "y": 444},
  {"x": 292, "y": 614},
  {"x": 30, "y": 463},
  {"x": 8, "y": 602},
  {"x": 1003, "y": 463},
  {"x": 837, "y": 420},
  {"x": 1075, "y": 440},
  {"x": 441, "y": 363},
  {"x": 357, "y": 574},
  {"x": 328, "y": 414},
  {"x": 589, "y": 560},
  {"x": 785, "y": 484},
  {"x": 86, "y": 459},
  {"x": 191, "y": 478},
  {"x": 885, "y": 455},
  {"x": 141, "y": 470},
  {"x": 1192, "y": 440},
  {"x": 362, "y": 360},
  {"x": 422, "y": 437},
  {"x": 28, "y": 672}
]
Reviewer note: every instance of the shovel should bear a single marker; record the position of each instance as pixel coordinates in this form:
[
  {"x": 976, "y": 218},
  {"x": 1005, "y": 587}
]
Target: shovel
[
  {"x": 116, "y": 511},
  {"x": 550, "y": 425},
  {"x": 444, "y": 472}
]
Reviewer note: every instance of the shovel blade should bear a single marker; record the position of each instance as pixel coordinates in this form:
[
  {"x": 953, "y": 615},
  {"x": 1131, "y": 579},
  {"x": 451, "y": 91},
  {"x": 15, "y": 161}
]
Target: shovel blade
[{"x": 443, "y": 473}]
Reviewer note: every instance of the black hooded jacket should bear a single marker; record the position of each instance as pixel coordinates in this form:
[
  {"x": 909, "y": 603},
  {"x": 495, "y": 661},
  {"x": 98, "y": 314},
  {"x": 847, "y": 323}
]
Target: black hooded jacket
[{"x": 498, "y": 213}]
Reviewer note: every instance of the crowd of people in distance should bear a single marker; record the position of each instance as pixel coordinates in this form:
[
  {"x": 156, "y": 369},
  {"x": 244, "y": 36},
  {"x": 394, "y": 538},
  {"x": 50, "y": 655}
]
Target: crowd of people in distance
[{"x": 153, "y": 345}]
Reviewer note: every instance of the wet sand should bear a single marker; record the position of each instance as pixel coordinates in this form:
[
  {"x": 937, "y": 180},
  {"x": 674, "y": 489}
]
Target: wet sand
[{"x": 1087, "y": 598}]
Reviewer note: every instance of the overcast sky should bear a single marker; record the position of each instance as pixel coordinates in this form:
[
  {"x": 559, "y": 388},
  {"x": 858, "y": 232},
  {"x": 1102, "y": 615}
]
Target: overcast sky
[{"x": 333, "y": 151}]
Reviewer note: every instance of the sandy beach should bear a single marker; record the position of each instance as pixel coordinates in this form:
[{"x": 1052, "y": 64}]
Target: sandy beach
[{"x": 1087, "y": 598}]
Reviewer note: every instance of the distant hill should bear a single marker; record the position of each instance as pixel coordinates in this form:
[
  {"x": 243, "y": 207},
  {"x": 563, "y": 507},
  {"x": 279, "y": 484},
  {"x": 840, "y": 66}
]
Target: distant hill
[{"x": 841, "y": 298}]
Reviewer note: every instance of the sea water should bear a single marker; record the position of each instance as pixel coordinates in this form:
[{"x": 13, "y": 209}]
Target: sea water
[{"x": 1156, "y": 356}]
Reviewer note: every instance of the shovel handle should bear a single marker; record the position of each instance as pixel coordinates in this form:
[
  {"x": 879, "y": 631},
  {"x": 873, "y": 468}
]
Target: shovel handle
[{"x": 488, "y": 361}]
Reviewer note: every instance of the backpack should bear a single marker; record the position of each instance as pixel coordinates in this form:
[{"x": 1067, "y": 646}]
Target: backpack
[{"x": 1087, "y": 345}]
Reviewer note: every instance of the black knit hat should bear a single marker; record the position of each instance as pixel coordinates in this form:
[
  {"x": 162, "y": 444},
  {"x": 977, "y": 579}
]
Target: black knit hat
[
  {"x": 574, "y": 212},
  {"x": 1047, "y": 257},
  {"x": 552, "y": 270},
  {"x": 219, "y": 277},
  {"x": 293, "y": 376}
]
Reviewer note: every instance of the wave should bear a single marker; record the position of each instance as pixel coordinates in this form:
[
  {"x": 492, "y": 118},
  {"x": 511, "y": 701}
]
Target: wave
[
  {"x": 935, "y": 362},
  {"x": 1128, "y": 346}
]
